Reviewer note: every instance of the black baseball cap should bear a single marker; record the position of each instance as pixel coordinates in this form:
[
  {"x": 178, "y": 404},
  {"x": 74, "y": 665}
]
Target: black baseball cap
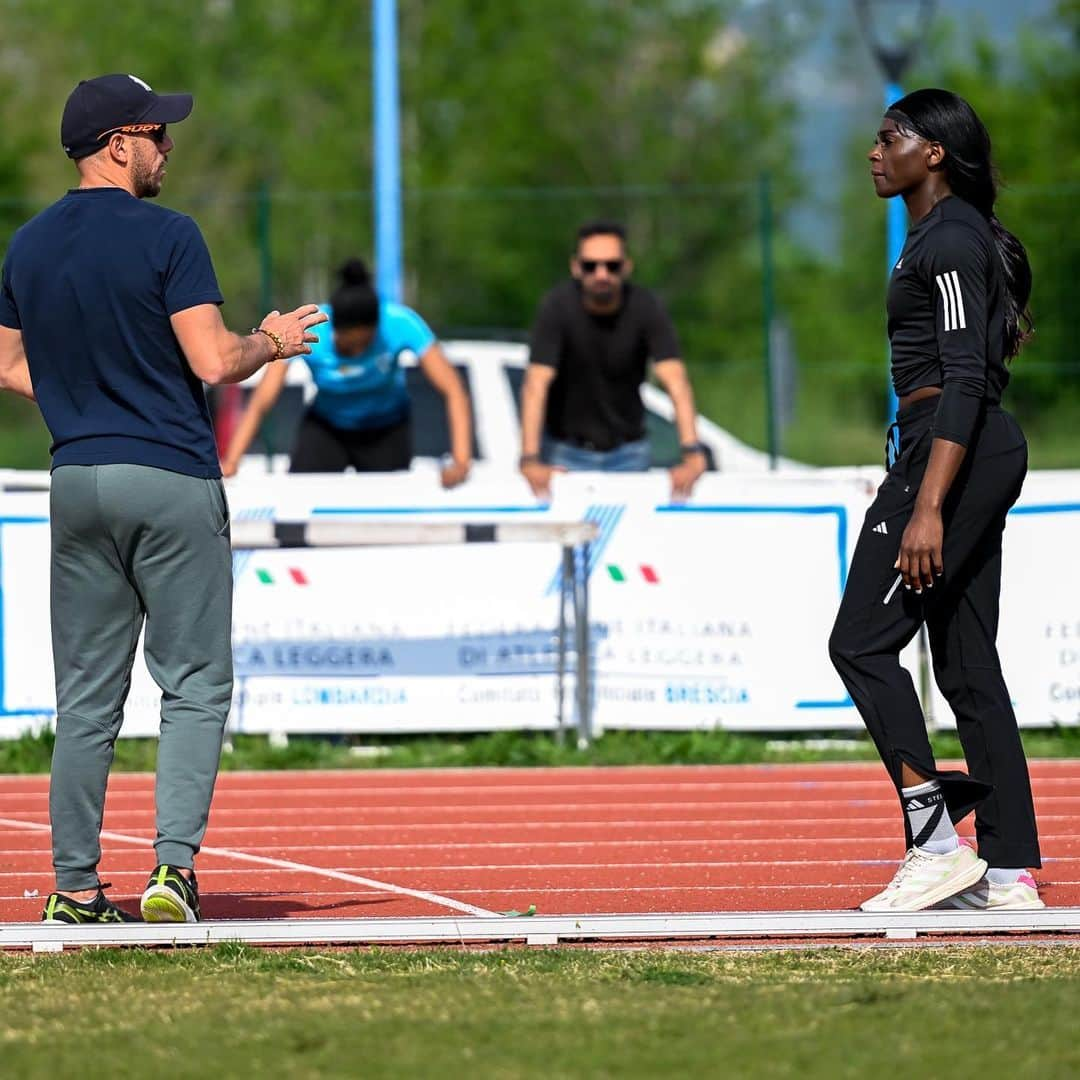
[{"x": 98, "y": 106}]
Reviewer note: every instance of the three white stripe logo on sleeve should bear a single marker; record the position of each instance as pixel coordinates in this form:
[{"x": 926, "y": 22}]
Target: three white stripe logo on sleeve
[{"x": 953, "y": 303}]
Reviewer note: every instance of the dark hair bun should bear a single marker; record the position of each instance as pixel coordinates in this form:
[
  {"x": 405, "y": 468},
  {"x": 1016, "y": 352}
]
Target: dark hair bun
[
  {"x": 355, "y": 272},
  {"x": 354, "y": 301}
]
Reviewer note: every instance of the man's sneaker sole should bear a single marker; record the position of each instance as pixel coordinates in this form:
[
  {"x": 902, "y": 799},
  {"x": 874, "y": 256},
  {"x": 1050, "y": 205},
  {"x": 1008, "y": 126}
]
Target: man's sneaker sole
[
  {"x": 161, "y": 905},
  {"x": 964, "y": 878}
]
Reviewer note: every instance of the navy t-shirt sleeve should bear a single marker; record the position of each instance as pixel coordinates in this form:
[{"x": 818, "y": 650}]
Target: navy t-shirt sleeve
[
  {"x": 957, "y": 273},
  {"x": 189, "y": 274},
  {"x": 546, "y": 340},
  {"x": 9, "y": 313},
  {"x": 663, "y": 341}
]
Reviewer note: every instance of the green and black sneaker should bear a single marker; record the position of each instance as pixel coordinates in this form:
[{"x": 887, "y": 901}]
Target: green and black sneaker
[
  {"x": 170, "y": 897},
  {"x": 62, "y": 909}
]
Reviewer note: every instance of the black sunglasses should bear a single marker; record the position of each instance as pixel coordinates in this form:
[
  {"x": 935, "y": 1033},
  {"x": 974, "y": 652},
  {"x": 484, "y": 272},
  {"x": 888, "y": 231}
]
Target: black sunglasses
[
  {"x": 612, "y": 266},
  {"x": 156, "y": 132}
]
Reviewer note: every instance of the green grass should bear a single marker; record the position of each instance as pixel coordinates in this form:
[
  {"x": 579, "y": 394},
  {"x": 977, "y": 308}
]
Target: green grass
[
  {"x": 24, "y": 439},
  {"x": 32, "y": 753},
  {"x": 237, "y": 1012}
]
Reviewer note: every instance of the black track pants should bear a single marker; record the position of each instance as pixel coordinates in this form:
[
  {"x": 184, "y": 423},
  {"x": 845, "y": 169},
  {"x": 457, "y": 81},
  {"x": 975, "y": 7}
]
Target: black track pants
[
  {"x": 321, "y": 447},
  {"x": 878, "y": 617}
]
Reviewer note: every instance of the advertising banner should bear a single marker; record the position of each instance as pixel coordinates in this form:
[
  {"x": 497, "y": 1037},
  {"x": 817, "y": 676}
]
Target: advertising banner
[{"x": 713, "y": 613}]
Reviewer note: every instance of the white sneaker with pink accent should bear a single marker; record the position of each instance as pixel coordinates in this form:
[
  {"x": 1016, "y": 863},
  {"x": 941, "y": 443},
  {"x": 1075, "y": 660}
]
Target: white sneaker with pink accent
[{"x": 985, "y": 895}]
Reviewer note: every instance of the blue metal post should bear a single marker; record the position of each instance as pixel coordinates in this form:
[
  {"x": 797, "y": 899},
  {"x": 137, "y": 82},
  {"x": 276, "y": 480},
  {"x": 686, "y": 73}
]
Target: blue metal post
[
  {"x": 388, "y": 259},
  {"x": 767, "y": 306},
  {"x": 896, "y": 232}
]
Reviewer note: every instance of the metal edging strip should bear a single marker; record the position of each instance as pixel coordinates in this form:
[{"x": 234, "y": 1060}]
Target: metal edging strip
[{"x": 544, "y": 929}]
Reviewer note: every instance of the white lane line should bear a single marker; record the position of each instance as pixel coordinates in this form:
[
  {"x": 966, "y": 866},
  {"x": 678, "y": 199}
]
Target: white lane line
[
  {"x": 542, "y": 890},
  {"x": 649, "y": 864},
  {"x": 503, "y": 845},
  {"x": 453, "y": 868},
  {"x": 584, "y": 824},
  {"x": 781, "y": 887},
  {"x": 607, "y": 823},
  {"x": 284, "y": 866},
  {"x": 612, "y": 775},
  {"x": 205, "y": 873},
  {"x": 613, "y": 823},
  {"x": 400, "y": 810},
  {"x": 547, "y": 889},
  {"x": 860, "y": 807},
  {"x": 824, "y": 788},
  {"x": 281, "y": 864},
  {"x": 861, "y": 842},
  {"x": 376, "y": 790}
]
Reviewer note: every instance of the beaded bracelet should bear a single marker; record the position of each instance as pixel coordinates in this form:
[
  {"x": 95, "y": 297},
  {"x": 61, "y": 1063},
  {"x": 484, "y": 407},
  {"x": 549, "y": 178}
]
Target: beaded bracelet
[{"x": 279, "y": 345}]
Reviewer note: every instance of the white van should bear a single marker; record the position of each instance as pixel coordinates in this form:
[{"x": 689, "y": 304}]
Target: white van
[{"x": 493, "y": 372}]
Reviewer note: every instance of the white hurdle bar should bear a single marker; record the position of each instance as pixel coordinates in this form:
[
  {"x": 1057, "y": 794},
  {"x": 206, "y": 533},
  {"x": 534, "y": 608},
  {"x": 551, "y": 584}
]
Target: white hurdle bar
[
  {"x": 545, "y": 929},
  {"x": 573, "y": 537}
]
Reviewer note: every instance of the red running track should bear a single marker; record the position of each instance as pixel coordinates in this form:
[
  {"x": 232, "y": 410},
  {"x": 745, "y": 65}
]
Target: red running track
[{"x": 571, "y": 841}]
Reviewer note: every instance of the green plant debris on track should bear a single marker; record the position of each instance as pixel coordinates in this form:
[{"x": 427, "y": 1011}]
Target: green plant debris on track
[{"x": 237, "y": 1011}]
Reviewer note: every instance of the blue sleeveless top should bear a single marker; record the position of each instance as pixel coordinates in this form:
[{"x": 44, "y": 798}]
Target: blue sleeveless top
[{"x": 367, "y": 391}]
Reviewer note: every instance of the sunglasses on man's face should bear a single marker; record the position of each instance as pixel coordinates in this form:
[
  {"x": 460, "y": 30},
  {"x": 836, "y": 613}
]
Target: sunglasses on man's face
[
  {"x": 155, "y": 132},
  {"x": 612, "y": 266}
]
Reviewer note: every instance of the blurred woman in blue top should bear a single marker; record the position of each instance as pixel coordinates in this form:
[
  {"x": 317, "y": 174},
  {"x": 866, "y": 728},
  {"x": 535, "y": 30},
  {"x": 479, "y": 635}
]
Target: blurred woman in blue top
[{"x": 361, "y": 413}]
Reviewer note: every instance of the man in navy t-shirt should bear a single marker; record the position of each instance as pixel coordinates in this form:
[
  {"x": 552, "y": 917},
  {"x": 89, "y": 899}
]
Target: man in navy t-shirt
[{"x": 109, "y": 318}]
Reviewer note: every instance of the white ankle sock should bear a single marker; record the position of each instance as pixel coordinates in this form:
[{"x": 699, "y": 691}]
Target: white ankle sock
[
  {"x": 929, "y": 821},
  {"x": 1004, "y": 875}
]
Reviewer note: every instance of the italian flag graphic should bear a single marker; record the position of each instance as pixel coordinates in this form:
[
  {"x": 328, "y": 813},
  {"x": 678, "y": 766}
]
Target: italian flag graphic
[
  {"x": 296, "y": 575},
  {"x": 621, "y": 573}
]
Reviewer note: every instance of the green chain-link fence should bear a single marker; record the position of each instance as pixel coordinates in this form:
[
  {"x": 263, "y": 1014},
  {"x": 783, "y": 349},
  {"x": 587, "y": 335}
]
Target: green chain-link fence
[{"x": 744, "y": 285}]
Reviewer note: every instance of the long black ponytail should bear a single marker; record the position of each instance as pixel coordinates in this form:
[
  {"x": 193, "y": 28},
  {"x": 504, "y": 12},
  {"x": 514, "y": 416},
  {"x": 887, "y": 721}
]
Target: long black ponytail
[
  {"x": 354, "y": 302},
  {"x": 943, "y": 117}
]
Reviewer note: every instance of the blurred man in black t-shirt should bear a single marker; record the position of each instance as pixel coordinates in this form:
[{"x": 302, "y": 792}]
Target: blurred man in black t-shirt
[{"x": 593, "y": 338}]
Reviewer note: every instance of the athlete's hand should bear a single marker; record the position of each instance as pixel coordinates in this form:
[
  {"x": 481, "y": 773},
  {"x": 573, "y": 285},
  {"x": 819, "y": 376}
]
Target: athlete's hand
[
  {"x": 454, "y": 472},
  {"x": 293, "y": 329},
  {"x": 685, "y": 475},
  {"x": 919, "y": 561},
  {"x": 228, "y": 467},
  {"x": 539, "y": 477}
]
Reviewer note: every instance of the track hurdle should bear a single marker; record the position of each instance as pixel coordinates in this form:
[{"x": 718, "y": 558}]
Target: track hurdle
[{"x": 573, "y": 537}]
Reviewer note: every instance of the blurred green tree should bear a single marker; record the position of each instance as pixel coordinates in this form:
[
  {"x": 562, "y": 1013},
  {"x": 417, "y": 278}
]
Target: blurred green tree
[
  {"x": 519, "y": 121},
  {"x": 1028, "y": 94}
]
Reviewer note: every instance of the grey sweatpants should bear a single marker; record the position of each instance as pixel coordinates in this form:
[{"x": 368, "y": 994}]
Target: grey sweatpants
[{"x": 132, "y": 543}]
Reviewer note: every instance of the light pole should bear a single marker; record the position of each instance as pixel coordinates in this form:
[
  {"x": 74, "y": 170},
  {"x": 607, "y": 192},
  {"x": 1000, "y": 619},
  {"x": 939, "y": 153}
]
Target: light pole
[
  {"x": 894, "y": 30},
  {"x": 388, "y": 259}
]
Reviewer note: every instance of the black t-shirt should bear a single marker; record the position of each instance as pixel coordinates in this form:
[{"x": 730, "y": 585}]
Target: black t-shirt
[
  {"x": 595, "y": 400},
  {"x": 91, "y": 283},
  {"x": 947, "y": 316}
]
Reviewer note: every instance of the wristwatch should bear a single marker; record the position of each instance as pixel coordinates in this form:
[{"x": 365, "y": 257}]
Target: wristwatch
[{"x": 691, "y": 448}]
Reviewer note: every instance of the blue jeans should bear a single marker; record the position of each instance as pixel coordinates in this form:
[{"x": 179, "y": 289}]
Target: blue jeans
[{"x": 630, "y": 457}]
